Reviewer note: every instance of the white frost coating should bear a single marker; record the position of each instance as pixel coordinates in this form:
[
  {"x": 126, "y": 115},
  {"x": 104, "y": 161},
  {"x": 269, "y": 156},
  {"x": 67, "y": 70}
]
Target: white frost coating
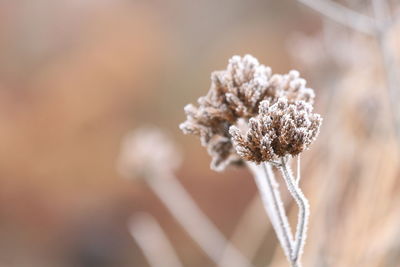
[
  {"x": 304, "y": 212},
  {"x": 298, "y": 170},
  {"x": 271, "y": 198},
  {"x": 236, "y": 93},
  {"x": 278, "y": 119},
  {"x": 280, "y": 129}
]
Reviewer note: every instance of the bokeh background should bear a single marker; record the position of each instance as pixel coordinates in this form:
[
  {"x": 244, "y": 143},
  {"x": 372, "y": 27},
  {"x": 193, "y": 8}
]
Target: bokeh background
[{"x": 77, "y": 75}]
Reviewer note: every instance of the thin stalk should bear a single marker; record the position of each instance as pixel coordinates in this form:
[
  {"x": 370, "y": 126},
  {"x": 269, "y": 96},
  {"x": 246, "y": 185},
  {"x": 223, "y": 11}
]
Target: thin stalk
[
  {"x": 188, "y": 214},
  {"x": 271, "y": 198},
  {"x": 298, "y": 170},
  {"x": 382, "y": 17},
  {"x": 251, "y": 229},
  {"x": 154, "y": 243},
  {"x": 304, "y": 211},
  {"x": 342, "y": 15},
  {"x": 378, "y": 29}
]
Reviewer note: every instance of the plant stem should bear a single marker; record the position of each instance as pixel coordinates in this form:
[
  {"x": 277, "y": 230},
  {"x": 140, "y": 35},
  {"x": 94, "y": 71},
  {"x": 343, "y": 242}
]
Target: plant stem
[
  {"x": 154, "y": 243},
  {"x": 304, "y": 211},
  {"x": 188, "y": 214},
  {"x": 298, "y": 171},
  {"x": 251, "y": 229},
  {"x": 379, "y": 30},
  {"x": 343, "y": 15},
  {"x": 384, "y": 23},
  {"x": 271, "y": 198}
]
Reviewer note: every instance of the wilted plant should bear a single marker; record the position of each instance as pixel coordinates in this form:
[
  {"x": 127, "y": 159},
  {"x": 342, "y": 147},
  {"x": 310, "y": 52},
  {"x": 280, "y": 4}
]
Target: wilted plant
[{"x": 261, "y": 119}]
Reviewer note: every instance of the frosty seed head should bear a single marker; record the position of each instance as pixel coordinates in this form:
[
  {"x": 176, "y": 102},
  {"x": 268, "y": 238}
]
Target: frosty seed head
[
  {"x": 236, "y": 93},
  {"x": 280, "y": 129}
]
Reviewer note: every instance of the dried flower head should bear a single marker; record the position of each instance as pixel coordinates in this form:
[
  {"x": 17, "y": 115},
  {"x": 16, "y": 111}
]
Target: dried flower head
[
  {"x": 147, "y": 151},
  {"x": 236, "y": 93},
  {"x": 280, "y": 129}
]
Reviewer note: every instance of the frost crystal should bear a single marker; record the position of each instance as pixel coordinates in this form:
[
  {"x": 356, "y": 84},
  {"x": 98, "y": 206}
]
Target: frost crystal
[
  {"x": 280, "y": 129},
  {"x": 236, "y": 93}
]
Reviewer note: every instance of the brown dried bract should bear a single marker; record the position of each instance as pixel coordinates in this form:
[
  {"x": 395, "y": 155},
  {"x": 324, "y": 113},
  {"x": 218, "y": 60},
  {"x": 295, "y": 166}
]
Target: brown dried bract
[
  {"x": 280, "y": 129},
  {"x": 236, "y": 93}
]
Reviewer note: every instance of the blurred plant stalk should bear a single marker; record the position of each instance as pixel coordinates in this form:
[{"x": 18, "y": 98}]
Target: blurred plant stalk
[
  {"x": 156, "y": 167},
  {"x": 379, "y": 28},
  {"x": 153, "y": 241},
  {"x": 187, "y": 213}
]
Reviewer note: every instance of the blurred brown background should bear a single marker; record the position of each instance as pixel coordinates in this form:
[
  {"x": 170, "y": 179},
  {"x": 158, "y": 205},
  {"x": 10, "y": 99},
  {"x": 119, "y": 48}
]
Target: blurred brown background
[{"x": 76, "y": 75}]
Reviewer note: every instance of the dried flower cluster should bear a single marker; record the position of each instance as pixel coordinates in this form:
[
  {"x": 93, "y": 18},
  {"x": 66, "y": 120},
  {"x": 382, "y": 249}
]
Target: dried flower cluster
[
  {"x": 280, "y": 129},
  {"x": 235, "y": 94},
  {"x": 147, "y": 151}
]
